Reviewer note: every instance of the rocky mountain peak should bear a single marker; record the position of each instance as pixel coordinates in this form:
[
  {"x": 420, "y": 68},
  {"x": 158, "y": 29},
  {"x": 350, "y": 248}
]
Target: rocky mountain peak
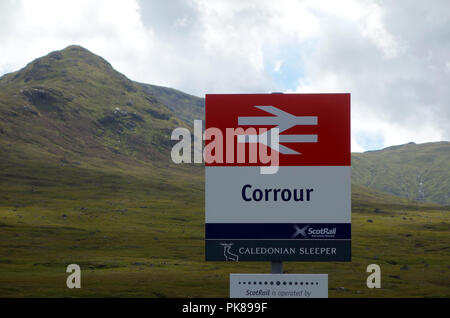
[{"x": 71, "y": 63}]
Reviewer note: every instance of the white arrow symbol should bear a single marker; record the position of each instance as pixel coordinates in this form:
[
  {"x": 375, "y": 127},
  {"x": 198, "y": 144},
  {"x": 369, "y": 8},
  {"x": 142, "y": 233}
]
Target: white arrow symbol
[
  {"x": 266, "y": 138},
  {"x": 283, "y": 121}
]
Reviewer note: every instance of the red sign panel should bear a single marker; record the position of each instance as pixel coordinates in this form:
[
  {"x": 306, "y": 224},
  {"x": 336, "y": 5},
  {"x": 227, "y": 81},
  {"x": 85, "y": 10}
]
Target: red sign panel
[{"x": 314, "y": 129}]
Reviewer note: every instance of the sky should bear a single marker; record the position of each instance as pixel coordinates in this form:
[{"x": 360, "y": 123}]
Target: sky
[{"x": 392, "y": 56}]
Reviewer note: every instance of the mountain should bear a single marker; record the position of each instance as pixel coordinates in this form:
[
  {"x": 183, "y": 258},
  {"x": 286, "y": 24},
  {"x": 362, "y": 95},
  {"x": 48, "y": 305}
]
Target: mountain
[
  {"x": 413, "y": 171},
  {"x": 72, "y": 106}
]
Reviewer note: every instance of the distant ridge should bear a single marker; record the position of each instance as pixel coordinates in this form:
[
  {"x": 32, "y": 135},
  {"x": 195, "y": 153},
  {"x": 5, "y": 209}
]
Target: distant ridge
[{"x": 413, "y": 171}]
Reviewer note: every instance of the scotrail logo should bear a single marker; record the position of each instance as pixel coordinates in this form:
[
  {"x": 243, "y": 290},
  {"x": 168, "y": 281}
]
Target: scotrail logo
[
  {"x": 300, "y": 231},
  {"x": 308, "y": 231}
]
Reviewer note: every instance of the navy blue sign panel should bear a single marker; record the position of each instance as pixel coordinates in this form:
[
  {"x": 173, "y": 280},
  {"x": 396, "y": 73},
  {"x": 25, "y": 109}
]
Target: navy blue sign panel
[
  {"x": 278, "y": 250},
  {"x": 278, "y": 242},
  {"x": 277, "y": 231}
]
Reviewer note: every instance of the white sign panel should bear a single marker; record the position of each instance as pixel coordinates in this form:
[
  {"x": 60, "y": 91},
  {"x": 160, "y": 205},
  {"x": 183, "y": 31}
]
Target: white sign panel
[
  {"x": 278, "y": 286},
  {"x": 293, "y": 195}
]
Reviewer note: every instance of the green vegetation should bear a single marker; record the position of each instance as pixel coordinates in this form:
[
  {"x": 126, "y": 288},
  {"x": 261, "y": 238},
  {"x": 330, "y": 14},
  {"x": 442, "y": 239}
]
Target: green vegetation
[
  {"x": 187, "y": 107},
  {"x": 85, "y": 178},
  {"x": 141, "y": 234},
  {"x": 417, "y": 172},
  {"x": 76, "y": 107}
]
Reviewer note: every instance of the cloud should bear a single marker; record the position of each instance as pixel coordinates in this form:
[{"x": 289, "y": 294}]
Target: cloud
[
  {"x": 110, "y": 28},
  {"x": 392, "y": 56}
]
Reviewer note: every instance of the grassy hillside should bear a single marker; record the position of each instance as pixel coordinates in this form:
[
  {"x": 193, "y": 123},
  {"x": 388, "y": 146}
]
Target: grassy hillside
[
  {"x": 417, "y": 172},
  {"x": 140, "y": 233},
  {"x": 72, "y": 106},
  {"x": 187, "y": 107}
]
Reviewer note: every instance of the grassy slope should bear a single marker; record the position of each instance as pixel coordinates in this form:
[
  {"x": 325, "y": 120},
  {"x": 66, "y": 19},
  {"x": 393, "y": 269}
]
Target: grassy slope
[
  {"x": 399, "y": 170},
  {"x": 71, "y": 105},
  {"x": 140, "y": 232},
  {"x": 187, "y": 107}
]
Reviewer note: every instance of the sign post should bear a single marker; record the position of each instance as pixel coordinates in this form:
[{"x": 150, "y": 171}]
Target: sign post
[
  {"x": 278, "y": 189},
  {"x": 277, "y": 267}
]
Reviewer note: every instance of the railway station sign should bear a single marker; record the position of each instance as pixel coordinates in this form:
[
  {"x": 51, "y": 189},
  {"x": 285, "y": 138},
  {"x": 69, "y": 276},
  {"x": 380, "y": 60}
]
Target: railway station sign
[{"x": 278, "y": 171}]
